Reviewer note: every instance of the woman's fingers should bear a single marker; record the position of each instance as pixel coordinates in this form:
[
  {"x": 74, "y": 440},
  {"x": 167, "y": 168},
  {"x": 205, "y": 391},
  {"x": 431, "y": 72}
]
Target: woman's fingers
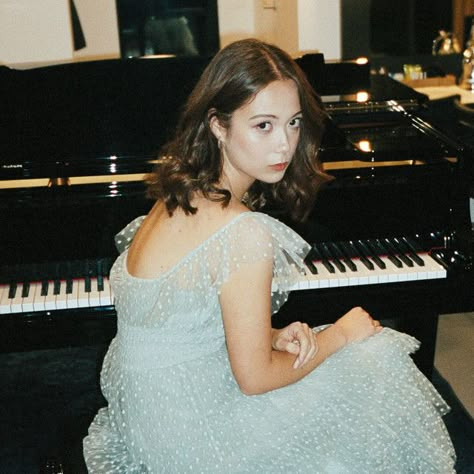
[{"x": 306, "y": 340}]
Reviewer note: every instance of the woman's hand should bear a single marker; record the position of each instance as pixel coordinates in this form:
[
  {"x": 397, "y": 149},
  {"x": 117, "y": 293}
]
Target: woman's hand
[
  {"x": 357, "y": 325},
  {"x": 298, "y": 339}
]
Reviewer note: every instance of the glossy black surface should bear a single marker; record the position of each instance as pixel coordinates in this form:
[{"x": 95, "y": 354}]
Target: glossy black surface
[
  {"x": 109, "y": 118},
  {"x": 86, "y": 118}
]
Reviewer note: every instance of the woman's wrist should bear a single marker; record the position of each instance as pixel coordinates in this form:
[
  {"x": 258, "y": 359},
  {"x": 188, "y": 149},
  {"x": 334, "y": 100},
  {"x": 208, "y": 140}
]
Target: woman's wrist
[
  {"x": 340, "y": 333},
  {"x": 332, "y": 338}
]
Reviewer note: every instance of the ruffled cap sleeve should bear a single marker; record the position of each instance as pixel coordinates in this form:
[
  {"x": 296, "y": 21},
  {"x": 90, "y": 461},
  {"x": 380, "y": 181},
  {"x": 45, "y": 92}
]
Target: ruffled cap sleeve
[
  {"x": 256, "y": 236},
  {"x": 124, "y": 238}
]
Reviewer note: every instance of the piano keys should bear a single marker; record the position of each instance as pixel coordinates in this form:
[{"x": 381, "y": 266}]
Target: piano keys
[
  {"x": 328, "y": 265},
  {"x": 55, "y": 295},
  {"x": 337, "y": 265},
  {"x": 55, "y": 287}
]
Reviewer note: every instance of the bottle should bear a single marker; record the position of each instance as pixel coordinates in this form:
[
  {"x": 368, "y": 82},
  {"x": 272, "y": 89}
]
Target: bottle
[{"x": 467, "y": 78}]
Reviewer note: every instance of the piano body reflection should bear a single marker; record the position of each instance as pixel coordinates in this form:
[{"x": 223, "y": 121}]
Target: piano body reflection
[{"x": 391, "y": 232}]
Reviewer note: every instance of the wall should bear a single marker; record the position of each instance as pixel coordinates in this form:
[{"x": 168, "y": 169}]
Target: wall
[
  {"x": 32, "y": 30},
  {"x": 39, "y": 31},
  {"x": 99, "y": 23},
  {"x": 295, "y": 25},
  {"x": 319, "y": 27}
]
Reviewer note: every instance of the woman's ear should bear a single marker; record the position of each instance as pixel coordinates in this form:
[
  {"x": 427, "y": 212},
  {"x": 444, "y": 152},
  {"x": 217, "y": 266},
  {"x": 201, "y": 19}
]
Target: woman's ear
[{"x": 216, "y": 128}]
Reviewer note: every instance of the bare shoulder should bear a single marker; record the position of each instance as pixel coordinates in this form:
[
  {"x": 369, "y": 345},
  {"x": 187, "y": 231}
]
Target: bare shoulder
[
  {"x": 214, "y": 215},
  {"x": 162, "y": 240}
]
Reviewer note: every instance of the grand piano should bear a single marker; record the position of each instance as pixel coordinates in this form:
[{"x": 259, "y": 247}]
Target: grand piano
[{"x": 391, "y": 232}]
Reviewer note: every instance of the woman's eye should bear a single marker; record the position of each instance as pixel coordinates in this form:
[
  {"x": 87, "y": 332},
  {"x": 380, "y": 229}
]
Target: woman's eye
[
  {"x": 296, "y": 122},
  {"x": 265, "y": 126}
]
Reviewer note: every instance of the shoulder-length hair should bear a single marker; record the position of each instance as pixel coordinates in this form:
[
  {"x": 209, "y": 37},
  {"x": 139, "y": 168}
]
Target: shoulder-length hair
[{"x": 191, "y": 163}]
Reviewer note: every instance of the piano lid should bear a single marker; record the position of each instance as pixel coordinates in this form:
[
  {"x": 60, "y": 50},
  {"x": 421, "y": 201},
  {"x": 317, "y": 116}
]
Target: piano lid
[
  {"x": 380, "y": 94},
  {"x": 349, "y": 87},
  {"x": 70, "y": 119},
  {"x": 110, "y": 117}
]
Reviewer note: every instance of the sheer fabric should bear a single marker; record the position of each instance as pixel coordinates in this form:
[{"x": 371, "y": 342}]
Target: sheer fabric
[{"x": 174, "y": 406}]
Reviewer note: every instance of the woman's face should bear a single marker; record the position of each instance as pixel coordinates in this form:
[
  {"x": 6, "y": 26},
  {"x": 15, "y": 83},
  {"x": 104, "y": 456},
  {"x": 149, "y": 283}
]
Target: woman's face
[{"x": 262, "y": 137}]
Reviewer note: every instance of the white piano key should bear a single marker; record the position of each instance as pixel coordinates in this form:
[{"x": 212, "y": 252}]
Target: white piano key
[
  {"x": 82, "y": 295},
  {"x": 50, "y": 298},
  {"x": 61, "y": 297},
  {"x": 94, "y": 294},
  {"x": 39, "y": 303},
  {"x": 73, "y": 297},
  {"x": 16, "y": 301},
  {"x": 106, "y": 296},
  {"x": 5, "y": 301},
  {"x": 432, "y": 268},
  {"x": 27, "y": 303},
  {"x": 363, "y": 275}
]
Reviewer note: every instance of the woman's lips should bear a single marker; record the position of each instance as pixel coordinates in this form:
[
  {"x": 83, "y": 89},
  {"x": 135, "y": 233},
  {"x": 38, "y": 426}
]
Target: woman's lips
[{"x": 279, "y": 166}]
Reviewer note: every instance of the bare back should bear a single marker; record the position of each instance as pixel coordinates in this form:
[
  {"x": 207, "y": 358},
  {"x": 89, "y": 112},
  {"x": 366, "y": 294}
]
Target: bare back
[{"x": 162, "y": 241}]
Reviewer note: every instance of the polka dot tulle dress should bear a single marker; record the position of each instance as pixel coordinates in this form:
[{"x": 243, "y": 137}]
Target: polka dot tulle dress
[{"x": 174, "y": 406}]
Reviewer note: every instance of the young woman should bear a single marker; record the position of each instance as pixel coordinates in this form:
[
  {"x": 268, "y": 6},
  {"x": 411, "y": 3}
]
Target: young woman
[{"x": 196, "y": 378}]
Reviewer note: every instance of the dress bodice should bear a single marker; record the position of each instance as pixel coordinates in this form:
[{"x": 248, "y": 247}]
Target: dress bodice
[{"x": 179, "y": 311}]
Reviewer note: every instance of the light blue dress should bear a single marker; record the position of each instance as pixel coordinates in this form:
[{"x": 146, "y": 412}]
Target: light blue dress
[{"x": 174, "y": 405}]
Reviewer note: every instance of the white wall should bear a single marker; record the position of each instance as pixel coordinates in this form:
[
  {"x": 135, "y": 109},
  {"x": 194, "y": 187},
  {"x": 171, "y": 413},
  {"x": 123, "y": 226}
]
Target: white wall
[
  {"x": 295, "y": 25},
  {"x": 100, "y": 26},
  {"x": 236, "y": 20},
  {"x": 319, "y": 27},
  {"x": 39, "y": 31},
  {"x": 34, "y": 30}
]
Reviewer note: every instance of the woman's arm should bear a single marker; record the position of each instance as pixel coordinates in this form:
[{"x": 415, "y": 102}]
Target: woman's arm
[{"x": 246, "y": 308}]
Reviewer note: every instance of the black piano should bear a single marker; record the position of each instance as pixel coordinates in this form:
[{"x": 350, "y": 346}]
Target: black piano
[{"x": 391, "y": 232}]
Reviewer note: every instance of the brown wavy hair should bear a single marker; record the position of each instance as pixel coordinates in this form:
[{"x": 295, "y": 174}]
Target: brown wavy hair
[{"x": 192, "y": 162}]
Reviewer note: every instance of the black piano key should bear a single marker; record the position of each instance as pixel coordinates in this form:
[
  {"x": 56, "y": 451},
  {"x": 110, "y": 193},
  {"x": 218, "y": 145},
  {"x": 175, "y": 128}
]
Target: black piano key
[
  {"x": 56, "y": 287},
  {"x": 348, "y": 262},
  {"x": 25, "y": 290},
  {"x": 322, "y": 259},
  {"x": 412, "y": 244},
  {"x": 100, "y": 275},
  {"x": 311, "y": 266},
  {"x": 372, "y": 253},
  {"x": 69, "y": 284},
  {"x": 399, "y": 253},
  {"x": 44, "y": 288},
  {"x": 360, "y": 255},
  {"x": 384, "y": 250},
  {"x": 439, "y": 258},
  {"x": 100, "y": 283},
  {"x": 12, "y": 290},
  {"x": 87, "y": 284},
  {"x": 331, "y": 257},
  {"x": 411, "y": 251},
  {"x": 91, "y": 268}
]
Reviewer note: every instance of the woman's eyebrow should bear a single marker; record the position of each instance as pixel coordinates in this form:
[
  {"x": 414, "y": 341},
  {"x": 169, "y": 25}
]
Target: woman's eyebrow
[{"x": 273, "y": 116}]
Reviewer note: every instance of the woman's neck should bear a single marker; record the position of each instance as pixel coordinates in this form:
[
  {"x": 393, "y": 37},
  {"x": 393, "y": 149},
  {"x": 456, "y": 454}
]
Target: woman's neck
[{"x": 237, "y": 188}]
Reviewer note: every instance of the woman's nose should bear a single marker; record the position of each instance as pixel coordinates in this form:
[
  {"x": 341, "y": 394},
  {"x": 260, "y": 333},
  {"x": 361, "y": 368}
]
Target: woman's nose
[{"x": 283, "y": 142}]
